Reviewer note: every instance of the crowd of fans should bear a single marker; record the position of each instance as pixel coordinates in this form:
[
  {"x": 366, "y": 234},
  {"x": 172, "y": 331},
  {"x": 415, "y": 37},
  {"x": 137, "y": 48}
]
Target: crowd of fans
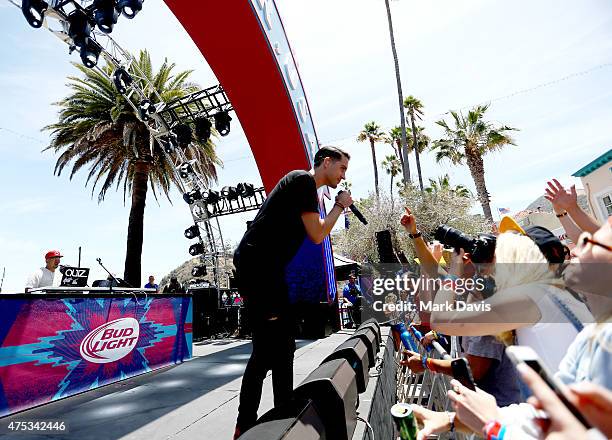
[{"x": 545, "y": 297}]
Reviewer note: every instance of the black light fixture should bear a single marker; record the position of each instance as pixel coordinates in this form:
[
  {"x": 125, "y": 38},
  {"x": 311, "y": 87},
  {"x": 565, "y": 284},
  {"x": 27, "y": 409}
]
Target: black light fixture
[
  {"x": 105, "y": 15},
  {"x": 79, "y": 29},
  {"x": 222, "y": 122},
  {"x": 196, "y": 249},
  {"x": 183, "y": 135},
  {"x": 211, "y": 197},
  {"x": 146, "y": 109},
  {"x": 185, "y": 170},
  {"x": 199, "y": 271},
  {"x": 34, "y": 12},
  {"x": 122, "y": 80},
  {"x": 229, "y": 192},
  {"x": 168, "y": 142},
  {"x": 90, "y": 54},
  {"x": 192, "y": 232},
  {"x": 191, "y": 196},
  {"x": 129, "y": 8},
  {"x": 246, "y": 189},
  {"x": 202, "y": 129}
]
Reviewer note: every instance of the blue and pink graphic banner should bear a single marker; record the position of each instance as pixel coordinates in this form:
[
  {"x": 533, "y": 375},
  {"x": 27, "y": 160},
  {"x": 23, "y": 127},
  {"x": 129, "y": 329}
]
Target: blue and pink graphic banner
[{"x": 54, "y": 347}]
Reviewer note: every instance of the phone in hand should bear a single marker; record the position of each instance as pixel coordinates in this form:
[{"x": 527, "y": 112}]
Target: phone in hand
[
  {"x": 463, "y": 373},
  {"x": 523, "y": 354}
]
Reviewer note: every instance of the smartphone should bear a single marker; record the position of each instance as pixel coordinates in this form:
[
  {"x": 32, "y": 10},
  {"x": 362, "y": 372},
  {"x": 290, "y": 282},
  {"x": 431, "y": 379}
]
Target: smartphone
[
  {"x": 463, "y": 373},
  {"x": 523, "y": 354}
]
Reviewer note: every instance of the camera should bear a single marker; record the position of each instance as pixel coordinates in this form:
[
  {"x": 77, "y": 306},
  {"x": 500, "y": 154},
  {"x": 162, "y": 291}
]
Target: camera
[{"x": 481, "y": 248}]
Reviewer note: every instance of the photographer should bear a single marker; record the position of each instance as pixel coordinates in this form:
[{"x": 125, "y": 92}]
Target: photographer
[{"x": 353, "y": 298}]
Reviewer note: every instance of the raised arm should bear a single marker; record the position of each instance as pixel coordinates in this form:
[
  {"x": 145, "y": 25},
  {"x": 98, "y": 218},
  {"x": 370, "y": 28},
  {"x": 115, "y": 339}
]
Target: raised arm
[{"x": 429, "y": 265}]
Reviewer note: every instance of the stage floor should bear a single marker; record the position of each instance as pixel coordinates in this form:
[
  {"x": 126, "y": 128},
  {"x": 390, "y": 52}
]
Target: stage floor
[{"x": 194, "y": 400}]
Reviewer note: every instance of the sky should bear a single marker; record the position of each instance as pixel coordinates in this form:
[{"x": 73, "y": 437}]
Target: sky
[{"x": 545, "y": 67}]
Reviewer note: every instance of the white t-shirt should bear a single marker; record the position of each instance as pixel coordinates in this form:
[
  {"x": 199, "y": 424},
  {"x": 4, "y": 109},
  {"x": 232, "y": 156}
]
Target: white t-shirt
[
  {"x": 554, "y": 332},
  {"x": 42, "y": 277}
]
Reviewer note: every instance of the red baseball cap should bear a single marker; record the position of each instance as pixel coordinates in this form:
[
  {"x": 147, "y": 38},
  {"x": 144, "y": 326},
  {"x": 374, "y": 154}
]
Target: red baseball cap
[{"x": 53, "y": 254}]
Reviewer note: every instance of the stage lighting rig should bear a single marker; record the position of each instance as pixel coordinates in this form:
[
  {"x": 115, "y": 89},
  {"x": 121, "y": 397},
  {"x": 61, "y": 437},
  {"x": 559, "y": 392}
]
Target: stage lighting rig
[
  {"x": 199, "y": 271},
  {"x": 202, "y": 129},
  {"x": 222, "y": 122},
  {"x": 79, "y": 28},
  {"x": 192, "y": 196},
  {"x": 122, "y": 80},
  {"x": 146, "y": 109},
  {"x": 105, "y": 15},
  {"x": 245, "y": 189},
  {"x": 211, "y": 197},
  {"x": 185, "y": 169},
  {"x": 196, "y": 249},
  {"x": 90, "y": 54},
  {"x": 34, "y": 12},
  {"x": 168, "y": 142},
  {"x": 183, "y": 135},
  {"x": 129, "y": 8},
  {"x": 192, "y": 232},
  {"x": 229, "y": 192}
]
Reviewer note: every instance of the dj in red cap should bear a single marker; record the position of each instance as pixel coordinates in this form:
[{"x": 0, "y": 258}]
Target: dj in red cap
[{"x": 45, "y": 276}]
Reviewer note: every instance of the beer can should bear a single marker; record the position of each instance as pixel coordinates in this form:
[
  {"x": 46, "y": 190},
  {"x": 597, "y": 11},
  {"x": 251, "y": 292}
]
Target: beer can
[{"x": 405, "y": 421}]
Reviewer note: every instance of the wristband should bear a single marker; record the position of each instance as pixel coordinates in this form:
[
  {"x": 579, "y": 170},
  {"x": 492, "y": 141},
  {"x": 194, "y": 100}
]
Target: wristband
[
  {"x": 494, "y": 430},
  {"x": 431, "y": 366},
  {"x": 424, "y": 362},
  {"x": 417, "y": 234},
  {"x": 339, "y": 206},
  {"x": 561, "y": 215}
]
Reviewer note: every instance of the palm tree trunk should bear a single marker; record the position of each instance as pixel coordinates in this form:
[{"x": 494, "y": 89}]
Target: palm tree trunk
[
  {"x": 415, "y": 147},
  {"x": 406, "y": 171},
  {"x": 400, "y": 155},
  {"x": 133, "y": 254},
  {"x": 375, "y": 167},
  {"x": 476, "y": 165},
  {"x": 391, "y": 192}
]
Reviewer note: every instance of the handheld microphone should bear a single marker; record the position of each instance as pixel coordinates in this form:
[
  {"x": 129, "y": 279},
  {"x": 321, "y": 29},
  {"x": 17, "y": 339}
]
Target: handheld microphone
[{"x": 357, "y": 213}]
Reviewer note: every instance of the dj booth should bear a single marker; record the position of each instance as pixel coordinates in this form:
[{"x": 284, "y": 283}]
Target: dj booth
[{"x": 57, "y": 342}]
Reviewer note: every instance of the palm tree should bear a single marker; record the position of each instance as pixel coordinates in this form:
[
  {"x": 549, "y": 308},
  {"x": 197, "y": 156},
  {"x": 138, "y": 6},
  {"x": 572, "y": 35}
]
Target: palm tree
[
  {"x": 372, "y": 132},
  {"x": 98, "y": 129},
  {"x": 393, "y": 167},
  {"x": 394, "y": 138},
  {"x": 402, "y": 133},
  {"x": 469, "y": 140},
  {"x": 443, "y": 184},
  {"x": 414, "y": 108}
]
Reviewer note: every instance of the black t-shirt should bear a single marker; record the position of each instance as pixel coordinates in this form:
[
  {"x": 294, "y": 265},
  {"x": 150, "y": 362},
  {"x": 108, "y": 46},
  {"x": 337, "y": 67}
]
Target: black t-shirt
[{"x": 277, "y": 232}]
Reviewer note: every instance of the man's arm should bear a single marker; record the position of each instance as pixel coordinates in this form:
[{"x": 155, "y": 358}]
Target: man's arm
[{"x": 318, "y": 228}]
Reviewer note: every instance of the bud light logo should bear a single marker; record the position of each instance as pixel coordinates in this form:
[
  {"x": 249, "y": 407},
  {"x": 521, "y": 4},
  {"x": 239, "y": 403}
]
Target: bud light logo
[{"x": 111, "y": 341}]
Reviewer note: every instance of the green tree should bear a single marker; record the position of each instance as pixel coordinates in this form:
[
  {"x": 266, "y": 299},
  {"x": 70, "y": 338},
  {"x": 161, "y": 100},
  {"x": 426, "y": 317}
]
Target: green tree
[
  {"x": 414, "y": 108},
  {"x": 371, "y": 132},
  {"x": 467, "y": 141},
  {"x": 393, "y": 167},
  {"x": 443, "y": 184},
  {"x": 394, "y": 138},
  {"x": 98, "y": 129}
]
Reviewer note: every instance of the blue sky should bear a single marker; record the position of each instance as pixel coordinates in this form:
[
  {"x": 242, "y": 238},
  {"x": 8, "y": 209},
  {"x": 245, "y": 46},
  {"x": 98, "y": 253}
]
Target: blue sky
[{"x": 453, "y": 54}]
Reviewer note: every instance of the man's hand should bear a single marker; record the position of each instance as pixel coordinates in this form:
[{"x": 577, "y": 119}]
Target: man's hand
[
  {"x": 344, "y": 198},
  {"x": 436, "y": 250},
  {"x": 413, "y": 361},
  {"x": 408, "y": 221},
  {"x": 433, "y": 422},
  {"x": 561, "y": 199}
]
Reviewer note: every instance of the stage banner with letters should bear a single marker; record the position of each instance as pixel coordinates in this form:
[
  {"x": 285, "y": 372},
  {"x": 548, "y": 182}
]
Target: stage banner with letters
[{"x": 54, "y": 347}]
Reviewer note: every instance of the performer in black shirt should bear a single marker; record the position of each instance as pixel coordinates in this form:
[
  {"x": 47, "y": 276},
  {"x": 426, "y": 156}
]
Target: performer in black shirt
[{"x": 289, "y": 214}]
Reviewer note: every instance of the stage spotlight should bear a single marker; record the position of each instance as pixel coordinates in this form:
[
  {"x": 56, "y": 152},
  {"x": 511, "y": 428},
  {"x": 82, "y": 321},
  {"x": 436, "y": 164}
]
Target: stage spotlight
[
  {"x": 185, "y": 169},
  {"x": 202, "y": 129},
  {"x": 34, "y": 12},
  {"x": 222, "y": 122},
  {"x": 196, "y": 249},
  {"x": 211, "y": 197},
  {"x": 168, "y": 142},
  {"x": 122, "y": 80},
  {"x": 191, "y": 196},
  {"x": 192, "y": 232},
  {"x": 146, "y": 109},
  {"x": 246, "y": 189},
  {"x": 229, "y": 192},
  {"x": 199, "y": 271},
  {"x": 90, "y": 54},
  {"x": 129, "y": 8},
  {"x": 105, "y": 15},
  {"x": 183, "y": 135},
  {"x": 79, "y": 28}
]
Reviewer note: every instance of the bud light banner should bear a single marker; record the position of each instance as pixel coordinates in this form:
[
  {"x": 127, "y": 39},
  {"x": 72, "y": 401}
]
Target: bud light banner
[{"x": 55, "y": 347}]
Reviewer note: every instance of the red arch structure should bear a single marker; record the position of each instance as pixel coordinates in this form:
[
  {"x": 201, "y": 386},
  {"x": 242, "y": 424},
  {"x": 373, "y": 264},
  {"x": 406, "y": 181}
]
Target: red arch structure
[{"x": 245, "y": 45}]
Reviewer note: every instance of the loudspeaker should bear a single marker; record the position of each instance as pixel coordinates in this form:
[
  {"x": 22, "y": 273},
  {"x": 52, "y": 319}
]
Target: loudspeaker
[
  {"x": 307, "y": 425},
  {"x": 385, "y": 247},
  {"x": 333, "y": 390},
  {"x": 356, "y": 354},
  {"x": 368, "y": 336},
  {"x": 205, "y": 308}
]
